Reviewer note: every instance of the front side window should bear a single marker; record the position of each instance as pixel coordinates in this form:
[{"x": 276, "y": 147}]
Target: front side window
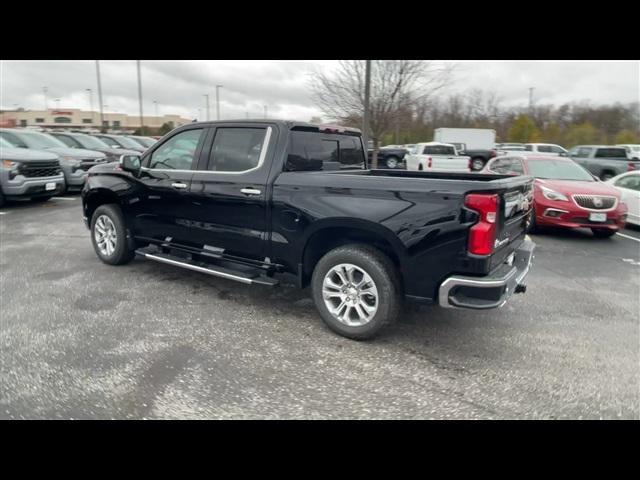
[
  {"x": 544, "y": 148},
  {"x": 583, "y": 152},
  {"x": 556, "y": 149},
  {"x": 528, "y": 148},
  {"x": 177, "y": 153},
  {"x": 237, "y": 149}
]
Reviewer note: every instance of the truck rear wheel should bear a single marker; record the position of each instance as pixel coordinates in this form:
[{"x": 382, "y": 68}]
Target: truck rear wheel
[
  {"x": 109, "y": 237},
  {"x": 1, "y": 198},
  {"x": 392, "y": 162},
  {"x": 356, "y": 290}
]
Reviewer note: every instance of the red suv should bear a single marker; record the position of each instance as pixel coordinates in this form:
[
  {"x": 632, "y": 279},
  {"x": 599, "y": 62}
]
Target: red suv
[{"x": 565, "y": 194}]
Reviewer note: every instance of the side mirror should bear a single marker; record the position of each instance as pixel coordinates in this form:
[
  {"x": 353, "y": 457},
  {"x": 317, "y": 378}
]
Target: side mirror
[{"x": 130, "y": 163}]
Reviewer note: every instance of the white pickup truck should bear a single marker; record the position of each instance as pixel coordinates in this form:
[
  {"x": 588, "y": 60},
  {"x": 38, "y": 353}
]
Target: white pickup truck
[{"x": 436, "y": 157}]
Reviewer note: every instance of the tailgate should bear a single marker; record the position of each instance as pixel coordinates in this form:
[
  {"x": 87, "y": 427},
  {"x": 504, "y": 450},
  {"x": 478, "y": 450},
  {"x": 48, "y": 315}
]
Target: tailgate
[{"x": 515, "y": 205}]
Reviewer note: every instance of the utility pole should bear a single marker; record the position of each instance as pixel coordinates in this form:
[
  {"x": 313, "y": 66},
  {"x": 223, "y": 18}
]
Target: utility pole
[
  {"x": 140, "y": 97},
  {"x": 531, "y": 100},
  {"x": 207, "y": 97},
  {"x": 218, "y": 87},
  {"x": 155, "y": 105},
  {"x": 91, "y": 105},
  {"x": 46, "y": 106},
  {"x": 100, "y": 94},
  {"x": 365, "y": 115}
]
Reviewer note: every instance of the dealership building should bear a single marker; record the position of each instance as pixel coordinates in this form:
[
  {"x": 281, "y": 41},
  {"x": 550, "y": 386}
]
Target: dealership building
[{"x": 73, "y": 118}]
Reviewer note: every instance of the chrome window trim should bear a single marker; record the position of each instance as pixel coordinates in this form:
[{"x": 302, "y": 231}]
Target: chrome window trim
[
  {"x": 615, "y": 204},
  {"x": 263, "y": 155}
]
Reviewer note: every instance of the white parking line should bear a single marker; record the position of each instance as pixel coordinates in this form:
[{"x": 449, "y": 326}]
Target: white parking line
[
  {"x": 628, "y": 236},
  {"x": 64, "y": 198},
  {"x": 3, "y": 213}
]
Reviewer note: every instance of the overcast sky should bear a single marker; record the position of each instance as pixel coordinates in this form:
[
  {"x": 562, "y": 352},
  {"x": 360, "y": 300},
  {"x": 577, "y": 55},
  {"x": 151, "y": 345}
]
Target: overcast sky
[{"x": 179, "y": 86}]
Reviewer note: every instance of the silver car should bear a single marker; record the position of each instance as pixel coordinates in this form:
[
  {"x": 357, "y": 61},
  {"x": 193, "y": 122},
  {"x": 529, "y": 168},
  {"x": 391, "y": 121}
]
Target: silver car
[
  {"x": 74, "y": 161},
  {"x": 29, "y": 173}
]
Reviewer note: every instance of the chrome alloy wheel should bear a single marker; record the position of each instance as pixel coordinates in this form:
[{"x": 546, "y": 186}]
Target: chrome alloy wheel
[
  {"x": 350, "y": 294},
  {"x": 105, "y": 234}
]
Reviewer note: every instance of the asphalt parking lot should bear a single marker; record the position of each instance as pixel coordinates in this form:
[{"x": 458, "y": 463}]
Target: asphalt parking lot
[{"x": 80, "y": 339}]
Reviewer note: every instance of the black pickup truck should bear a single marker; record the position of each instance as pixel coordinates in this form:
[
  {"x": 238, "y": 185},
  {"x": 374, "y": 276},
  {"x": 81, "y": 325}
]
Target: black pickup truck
[{"x": 250, "y": 200}]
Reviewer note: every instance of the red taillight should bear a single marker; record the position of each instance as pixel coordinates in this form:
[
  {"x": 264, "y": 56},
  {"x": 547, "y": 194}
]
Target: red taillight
[
  {"x": 430, "y": 162},
  {"x": 482, "y": 234},
  {"x": 493, "y": 154},
  {"x": 631, "y": 166},
  {"x": 469, "y": 165}
]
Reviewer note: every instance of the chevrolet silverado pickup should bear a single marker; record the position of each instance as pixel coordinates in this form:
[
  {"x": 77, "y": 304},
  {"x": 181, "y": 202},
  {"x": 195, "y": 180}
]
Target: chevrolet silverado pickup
[{"x": 254, "y": 200}]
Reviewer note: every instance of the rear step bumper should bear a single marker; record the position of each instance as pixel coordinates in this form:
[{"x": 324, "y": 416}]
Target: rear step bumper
[
  {"x": 242, "y": 274},
  {"x": 491, "y": 291}
]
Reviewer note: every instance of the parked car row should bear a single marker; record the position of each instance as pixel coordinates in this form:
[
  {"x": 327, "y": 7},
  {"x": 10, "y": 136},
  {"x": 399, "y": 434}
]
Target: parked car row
[{"x": 39, "y": 165}]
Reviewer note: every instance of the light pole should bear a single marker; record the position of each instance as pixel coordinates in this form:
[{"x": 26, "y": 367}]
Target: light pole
[
  {"x": 105, "y": 114},
  {"x": 91, "y": 105},
  {"x": 218, "y": 87},
  {"x": 140, "y": 97},
  {"x": 58, "y": 103},
  {"x": 100, "y": 94},
  {"x": 207, "y": 97},
  {"x": 155, "y": 105},
  {"x": 365, "y": 115}
]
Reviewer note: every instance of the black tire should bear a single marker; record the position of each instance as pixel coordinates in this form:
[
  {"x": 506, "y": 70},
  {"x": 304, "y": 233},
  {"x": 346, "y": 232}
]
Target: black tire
[
  {"x": 600, "y": 233},
  {"x": 397, "y": 162},
  {"x": 1, "y": 198},
  {"x": 532, "y": 227},
  {"x": 385, "y": 277},
  {"x": 420, "y": 167},
  {"x": 474, "y": 166},
  {"x": 122, "y": 253}
]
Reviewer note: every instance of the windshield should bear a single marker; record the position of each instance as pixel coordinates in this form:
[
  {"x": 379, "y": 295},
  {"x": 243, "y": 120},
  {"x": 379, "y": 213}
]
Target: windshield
[
  {"x": 145, "y": 142},
  {"x": 6, "y": 143},
  {"x": 558, "y": 170},
  {"x": 42, "y": 141},
  {"x": 127, "y": 142},
  {"x": 90, "y": 142}
]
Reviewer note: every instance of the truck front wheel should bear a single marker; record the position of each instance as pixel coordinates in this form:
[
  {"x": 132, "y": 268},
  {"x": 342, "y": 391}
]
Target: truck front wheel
[
  {"x": 356, "y": 290},
  {"x": 477, "y": 164},
  {"x": 109, "y": 237}
]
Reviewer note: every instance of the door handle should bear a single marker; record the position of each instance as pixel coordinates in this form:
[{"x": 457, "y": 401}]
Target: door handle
[
  {"x": 179, "y": 186},
  {"x": 251, "y": 191}
]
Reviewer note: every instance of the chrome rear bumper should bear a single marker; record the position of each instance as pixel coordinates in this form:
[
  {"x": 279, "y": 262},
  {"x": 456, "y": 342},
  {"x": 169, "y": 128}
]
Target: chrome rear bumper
[{"x": 491, "y": 291}]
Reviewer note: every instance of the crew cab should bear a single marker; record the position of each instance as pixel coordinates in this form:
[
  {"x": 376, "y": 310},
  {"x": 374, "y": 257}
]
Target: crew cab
[
  {"x": 604, "y": 161},
  {"x": 437, "y": 157},
  {"x": 254, "y": 200}
]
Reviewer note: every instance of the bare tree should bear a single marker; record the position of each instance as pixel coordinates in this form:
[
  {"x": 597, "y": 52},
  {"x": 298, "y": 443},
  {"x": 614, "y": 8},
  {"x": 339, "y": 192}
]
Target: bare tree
[{"x": 396, "y": 85}]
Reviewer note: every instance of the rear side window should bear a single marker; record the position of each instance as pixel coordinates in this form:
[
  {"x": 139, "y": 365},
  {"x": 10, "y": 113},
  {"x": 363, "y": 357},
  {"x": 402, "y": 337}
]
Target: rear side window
[
  {"x": 237, "y": 149},
  {"x": 310, "y": 151},
  {"x": 528, "y": 148},
  {"x": 611, "y": 153},
  {"x": 544, "y": 148},
  {"x": 438, "y": 150}
]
